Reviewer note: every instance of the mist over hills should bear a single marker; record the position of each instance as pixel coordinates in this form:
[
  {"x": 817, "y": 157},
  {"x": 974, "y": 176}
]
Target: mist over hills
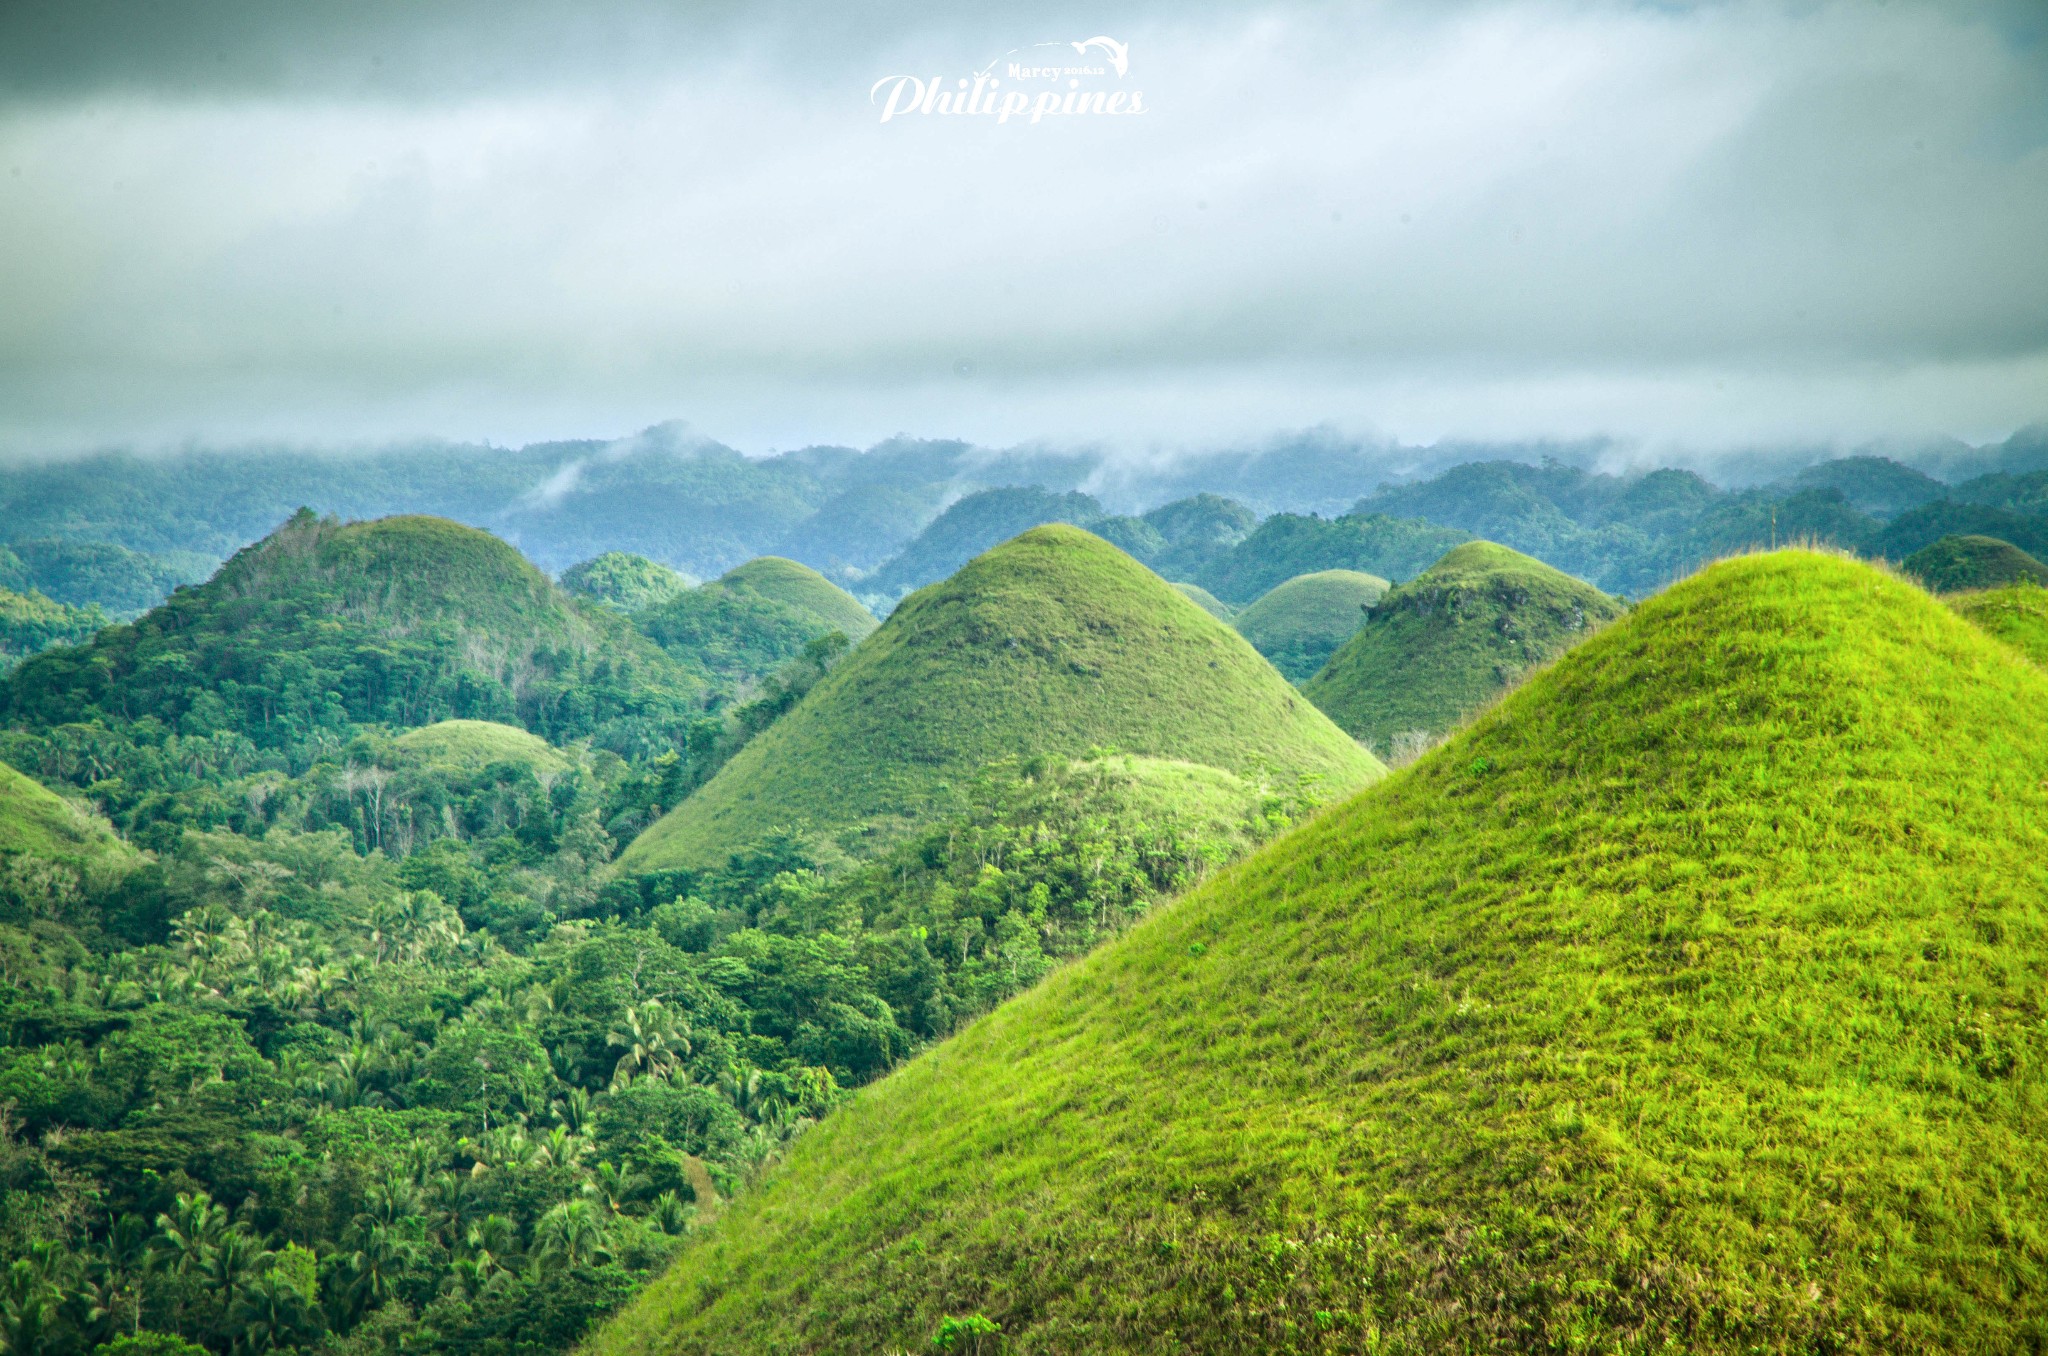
[{"x": 696, "y": 505}]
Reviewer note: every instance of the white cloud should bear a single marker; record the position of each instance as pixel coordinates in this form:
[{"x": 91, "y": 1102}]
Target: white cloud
[{"x": 1728, "y": 222}]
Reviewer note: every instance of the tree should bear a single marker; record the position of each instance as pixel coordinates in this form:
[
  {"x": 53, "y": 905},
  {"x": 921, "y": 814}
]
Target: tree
[
  {"x": 655, "y": 1043},
  {"x": 570, "y": 1235}
]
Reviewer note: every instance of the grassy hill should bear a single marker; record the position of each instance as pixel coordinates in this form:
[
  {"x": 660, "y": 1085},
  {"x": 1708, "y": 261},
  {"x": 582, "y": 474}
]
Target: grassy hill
[
  {"x": 2017, "y": 615},
  {"x": 754, "y": 619},
  {"x": 621, "y": 580},
  {"x": 1300, "y": 624},
  {"x": 1288, "y": 545},
  {"x": 1051, "y": 644},
  {"x": 1687, "y": 1001},
  {"x": 468, "y": 747},
  {"x": 972, "y": 525},
  {"x": 37, "y": 822},
  {"x": 1206, "y": 600},
  {"x": 400, "y": 621},
  {"x": 1450, "y": 640},
  {"x": 1954, "y": 564}
]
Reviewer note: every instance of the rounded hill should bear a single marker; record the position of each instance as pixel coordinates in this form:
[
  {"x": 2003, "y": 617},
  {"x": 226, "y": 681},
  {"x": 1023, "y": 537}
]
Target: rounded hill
[
  {"x": 750, "y": 621},
  {"x": 36, "y": 822},
  {"x": 2017, "y": 615},
  {"x": 1688, "y": 1000},
  {"x": 1205, "y": 600},
  {"x": 1300, "y": 624},
  {"x": 1966, "y": 562},
  {"x": 399, "y": 621},
  {"x": 469, "y": 746},
  {"x": 624, "y": 581},
  {"x": 1054, "y": 643},
  {"x": 1437, "y": 648}
]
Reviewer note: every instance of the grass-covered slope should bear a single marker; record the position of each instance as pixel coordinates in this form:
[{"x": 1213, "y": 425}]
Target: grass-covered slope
[
  {"x": 401, "y": 621},
  {"x": 1451, "y": 639},
  {"x": 622, "y": 580},
  {"x": 2017, "y": 615},
  {"x": 37, "y": 822},
  {"x": 1954, "y": 564},
  {"x": 1051, "y": 644},
  {"x": 1688, "y": 1001},
  {"x": 754, "y": 619},
  {"x": 1300, "y": 624},
  {"x": 468, "y": 747},
  {"x": 1206, "y": 600}
]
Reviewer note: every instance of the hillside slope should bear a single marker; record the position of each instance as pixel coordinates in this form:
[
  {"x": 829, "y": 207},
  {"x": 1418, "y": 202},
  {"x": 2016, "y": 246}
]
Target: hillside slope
[
  {"x": 1957, "y": 563},
  {"x": 1301, "y": 623},
  {"x": 754, "y": 618},
  {"x": 1053, "y": 643},
  {"x": 2017, "y": 615},
  {"x": 1687, "y": 1001},
  {"x": 1451, "y": 639},
  {"x": 401, "y": 621},
  {"x": 36, "y": 822}
]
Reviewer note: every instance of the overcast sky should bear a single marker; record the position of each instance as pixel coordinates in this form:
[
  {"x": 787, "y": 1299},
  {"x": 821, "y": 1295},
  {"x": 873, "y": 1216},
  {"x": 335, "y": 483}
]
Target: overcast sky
[{"x": 337, "y": 220}]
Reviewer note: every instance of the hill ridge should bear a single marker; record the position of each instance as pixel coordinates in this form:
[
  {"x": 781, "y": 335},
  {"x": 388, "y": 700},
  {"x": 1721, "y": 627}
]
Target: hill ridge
[
  {"x": 1054, "y": 642},
  {"x": 1681, "y": 1001}
]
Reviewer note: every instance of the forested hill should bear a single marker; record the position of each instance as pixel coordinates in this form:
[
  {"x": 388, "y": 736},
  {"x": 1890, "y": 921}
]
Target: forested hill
[{"x": 322, "y": 624}]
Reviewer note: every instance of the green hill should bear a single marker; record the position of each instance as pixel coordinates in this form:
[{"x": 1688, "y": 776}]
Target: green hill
[
  {"x": 1687, "y": 1001},
  {"x": 1287, "y": 545},
  {"x": 972, "y": 525},
  {"x": 1051, "y": 644},
  {"x": 400, "y": 621},
  {"x": 469, "y": 746},
  {"x": 624, "y": 581},
  {"x": 1206, "y": 600},
  {"x": 31, "y": 623},
  {"x": 2017, "y": 615},
  {"x": 1954, "y": 564},
  {"x": 754, "y": 619},
  {"x": 1439, "y": 647},
  {"x": 37, "y": 822},
  {"x": 1300, "y": 624}
]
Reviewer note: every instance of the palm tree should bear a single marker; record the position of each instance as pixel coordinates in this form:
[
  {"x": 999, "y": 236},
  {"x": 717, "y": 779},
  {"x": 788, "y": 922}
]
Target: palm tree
[
  {"x": 271, "y": 1313},
  {"x": 655, "y": 1043},
  {"x": 570, "y": 1235}
]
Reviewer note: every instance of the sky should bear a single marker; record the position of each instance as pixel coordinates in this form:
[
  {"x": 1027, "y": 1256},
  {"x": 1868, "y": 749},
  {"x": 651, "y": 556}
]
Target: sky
[{"x": 346, "y": 221}]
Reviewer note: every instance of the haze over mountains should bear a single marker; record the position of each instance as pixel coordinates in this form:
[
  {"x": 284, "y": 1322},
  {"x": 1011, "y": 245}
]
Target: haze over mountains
[{"x": 695, "y": 505}]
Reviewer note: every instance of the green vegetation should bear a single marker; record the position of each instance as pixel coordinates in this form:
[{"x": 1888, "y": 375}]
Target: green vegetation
[
  {"x": 402, "y": 621},
  {"x": 1288, "y": 545},
  {"x": 971, "y": 526},
  {"x": 1050, "y": 645},
  {"x": 35, "y": 822},
  {"x": 1436, "y": 649},
  {"x": 1687, "y": 1001},
  {"x": 31, "y": 623},
  {"x": 624, "y": 581},
  {"x": 1206, "y": 600},
  {"x": 87, "y": 574},
  {"x": 1300, "y": 624},
  {"x": 1956, "y": 564},
  {"x": 2016, "y": 614},
  {"x": 471, "y": 746},
  {"x": 741, "y": 627}
]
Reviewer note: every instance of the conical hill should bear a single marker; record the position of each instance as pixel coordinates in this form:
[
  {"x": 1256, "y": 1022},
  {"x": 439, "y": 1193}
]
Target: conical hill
[
  {"x": 1298, "y": 625},
  {"x": 755, "y": 618},
  {"x": 1442, "y": 645},
  {"x": 1966, "y": 562},
  {"x": 1689, "y": 1000},
  {"x": 1054, "y": 643},
  {"x": 401, "y": 621}
]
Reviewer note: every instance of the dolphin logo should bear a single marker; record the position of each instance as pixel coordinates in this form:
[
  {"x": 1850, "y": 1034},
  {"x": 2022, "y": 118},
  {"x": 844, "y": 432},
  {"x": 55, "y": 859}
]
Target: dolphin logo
[{"x": 1119, "y": 52}]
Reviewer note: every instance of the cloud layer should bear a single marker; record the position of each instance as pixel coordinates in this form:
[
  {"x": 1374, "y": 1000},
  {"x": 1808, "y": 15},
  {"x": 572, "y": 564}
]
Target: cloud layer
[{"x": 1705, "y": 224}]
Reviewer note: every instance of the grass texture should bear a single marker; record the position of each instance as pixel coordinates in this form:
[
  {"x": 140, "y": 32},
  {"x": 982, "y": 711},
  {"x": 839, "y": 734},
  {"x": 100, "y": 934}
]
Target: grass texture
[
  {"x": 1052, "y": 644},
  {"x": 1689, "y": 1000},
  {"x": 1439, "y": 647},
  {"x": 1300, "y": 624}
]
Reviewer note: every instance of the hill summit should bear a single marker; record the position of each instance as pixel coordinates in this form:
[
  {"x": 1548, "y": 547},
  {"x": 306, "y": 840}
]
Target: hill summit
[
  {"x": 754, "y": 618},
  {"x": 1957, "y": 563},
  {"x": 1054, "y": 643},
  {"x": 1688, "y": 1000},
  {"x": 1437, "y": 648},
  {"x": 401, "y": 621},
  {"x": 1299, "y": 624}
]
